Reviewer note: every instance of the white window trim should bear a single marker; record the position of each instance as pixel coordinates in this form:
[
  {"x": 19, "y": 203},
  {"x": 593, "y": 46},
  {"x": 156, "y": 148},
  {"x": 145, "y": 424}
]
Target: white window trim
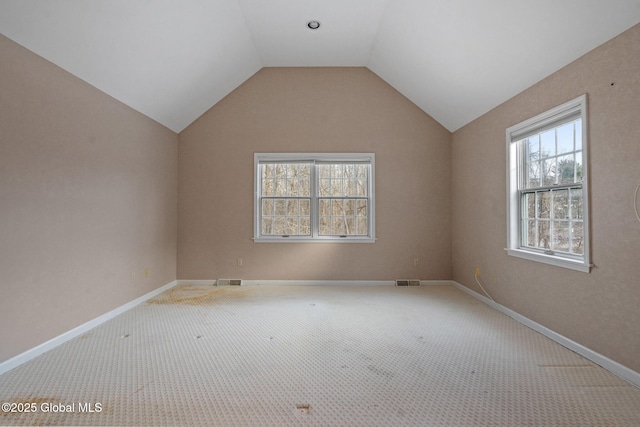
[
  {"x": 320, "y": 157},
  {"x": 516, "y": 133}
]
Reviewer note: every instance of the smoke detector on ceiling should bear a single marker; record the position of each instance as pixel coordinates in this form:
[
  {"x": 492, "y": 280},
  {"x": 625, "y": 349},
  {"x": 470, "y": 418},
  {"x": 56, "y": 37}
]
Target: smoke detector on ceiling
[{"x": 313, "y": 25}]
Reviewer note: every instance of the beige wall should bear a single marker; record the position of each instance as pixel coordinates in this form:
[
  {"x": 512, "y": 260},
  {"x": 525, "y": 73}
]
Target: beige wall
[
  {"x": 600, "y": 310},
  {"x": 87, "y": 196},
  {"x": 314, "y": 110}
]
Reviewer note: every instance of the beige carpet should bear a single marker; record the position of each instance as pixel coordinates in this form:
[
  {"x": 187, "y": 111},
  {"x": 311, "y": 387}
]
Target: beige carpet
[{"x": 312, "y": 355}]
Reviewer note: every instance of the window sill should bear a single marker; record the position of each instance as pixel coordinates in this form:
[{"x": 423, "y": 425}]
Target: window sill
[
  {"x": 551, "y": 259},
  {"x": 279, "y": 239}
]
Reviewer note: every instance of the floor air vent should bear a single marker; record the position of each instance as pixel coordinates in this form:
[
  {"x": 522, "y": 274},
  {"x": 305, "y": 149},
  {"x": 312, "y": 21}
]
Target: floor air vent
[
  {"x": 408, "y": 282},
  {"x": 229, "y": 282}
]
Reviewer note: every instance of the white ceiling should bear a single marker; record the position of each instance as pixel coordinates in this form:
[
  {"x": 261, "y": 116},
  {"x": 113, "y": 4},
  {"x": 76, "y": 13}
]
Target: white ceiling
[{"x": 174, "y": 59}]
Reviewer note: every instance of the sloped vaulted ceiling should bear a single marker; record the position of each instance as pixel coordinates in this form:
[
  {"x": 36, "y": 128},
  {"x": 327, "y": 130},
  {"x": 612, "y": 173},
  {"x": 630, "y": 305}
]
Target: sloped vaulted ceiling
[{"x": 172, "y": 60}]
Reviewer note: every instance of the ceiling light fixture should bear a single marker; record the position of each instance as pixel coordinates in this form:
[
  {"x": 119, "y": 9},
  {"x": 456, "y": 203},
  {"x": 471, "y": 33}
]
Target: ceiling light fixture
[{"x": 313, "y": 25}]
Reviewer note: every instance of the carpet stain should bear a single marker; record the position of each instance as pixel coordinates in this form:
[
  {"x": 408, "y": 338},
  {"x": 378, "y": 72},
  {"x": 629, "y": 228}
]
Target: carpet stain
[
  {"x": 303, "y": 408},
  {"x": 198, "y": 295},
  {"x": 140, "y": 389}
]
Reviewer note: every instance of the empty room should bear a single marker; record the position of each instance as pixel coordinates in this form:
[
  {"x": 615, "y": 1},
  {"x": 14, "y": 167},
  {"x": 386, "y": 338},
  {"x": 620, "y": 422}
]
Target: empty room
[{"x": 355, "y": 213}]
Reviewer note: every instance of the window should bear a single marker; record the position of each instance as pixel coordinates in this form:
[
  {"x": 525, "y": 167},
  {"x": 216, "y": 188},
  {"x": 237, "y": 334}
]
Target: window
[
  {"x": 314, "y": 197},
  {"x": 547, "y": 187}
]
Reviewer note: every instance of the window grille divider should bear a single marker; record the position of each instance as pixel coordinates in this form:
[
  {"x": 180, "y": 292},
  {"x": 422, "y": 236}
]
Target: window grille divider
[
  {"x": 339, "y": 186},
  {"x": 555, "y": 165}
]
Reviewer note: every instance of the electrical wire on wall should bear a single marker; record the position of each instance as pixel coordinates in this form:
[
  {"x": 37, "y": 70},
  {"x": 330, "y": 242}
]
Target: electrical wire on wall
[
  {"x": 482, "y": 287},
  {"x": 635, "y": 203}
]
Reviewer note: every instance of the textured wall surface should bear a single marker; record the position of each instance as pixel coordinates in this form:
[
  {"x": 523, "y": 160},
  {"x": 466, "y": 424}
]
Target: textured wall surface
[
  {"x": 598, "y": 310},
  {"x": 88, "y": 196},
  {"x": 314, "y": 110}
]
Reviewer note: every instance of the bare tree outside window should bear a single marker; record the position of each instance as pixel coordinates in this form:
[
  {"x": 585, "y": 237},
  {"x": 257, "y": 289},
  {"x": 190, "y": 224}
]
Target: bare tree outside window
[
  {"x": 547, "y": 187},
  {"x": 552, "y": 198},
  {"x": 342, "y": 192},
  {"x": 315, "y": 197},
  {"x": 286, "y": 200}
]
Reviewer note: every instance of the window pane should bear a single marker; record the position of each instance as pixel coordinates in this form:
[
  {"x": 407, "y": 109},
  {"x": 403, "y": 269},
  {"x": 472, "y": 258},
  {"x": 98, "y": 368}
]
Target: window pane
[
  {"x": 305, "y": 226},
  {"x": 280, "y": 207},
  {"x": 561, "y": 239},
  {"x": 324, "y": 226},
  {"x": 578, "y": 124},
  {"x": 336, "y": 188},
  {"x": 267, "y": 207},
  {"x": 324, "y": 171},
  {"x": 325, "y": 207},
  {"x": 337, "y": 226},
  {"x": 349, "y": 171},
  {"x": 532, "y": 174},
  {"x": 285, "y": 179},
  {"x": 532, "y": 161},
  {"x": 544, "y": 238},
  {"x": 529, "y": 235},
  {"x": 281, "y": 187},
  {"x": 350, "y": 226},
  {"x": 292, "y": 190},
  {"x": 577, "y": 241},
  {"x": 549, "y": 171},
  {"x": 292, "y": 226},
  {"x": 533, "y": 147},
  {"x": 268, "y": 187},
  {"x": 566, "y": 169},
  {"x": 565, "y": 138},
  {"x": 363, "y": 226},
  {"x": 268, "y": 171},
  {"x": 543, "y": 204},
  {"x": 361, "y": 208},
  {"x": 349, "y": 207},
  {"x": 267, "y": 225},
  {"x": 343, "y": 217},
  {"x": 350, "y": 188},
  {"x": 305, "y": 188},
  {"x": 548, "y": 143},
  {"x": 362, "y": 190},
  {"x": 292, "y": 207},
  {"x": 578, "y": 167},
  {"x": 324, "y": 188},
  {"x": 336, "y": 207},
  {"x": 576, "y": 203},
  {"x": 292, "y": 171},
  {"x": 529, "y": 210},
  {"x": 305, "y": 207},
  {"x": 279, "y": 226},
  {"x": 561, "y": 204}
]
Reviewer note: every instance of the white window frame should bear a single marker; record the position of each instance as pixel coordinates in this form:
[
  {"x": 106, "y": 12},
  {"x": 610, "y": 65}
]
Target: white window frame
[
  {"x": 515, "y": 175},
  {"x": 259, "y": 158}
]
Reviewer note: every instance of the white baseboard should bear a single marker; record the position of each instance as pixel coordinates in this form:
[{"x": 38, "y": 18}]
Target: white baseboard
[
  {"x": 435, "y": 282},
  {"x": 316, "y": 282},
  {"x": 75, "y": 332},
  {"x": 296, "y": 282},
  {"x": 612, "y": 366},
  {"x": 319, "y": 282},
  {"x": 197, "y": 282}
]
